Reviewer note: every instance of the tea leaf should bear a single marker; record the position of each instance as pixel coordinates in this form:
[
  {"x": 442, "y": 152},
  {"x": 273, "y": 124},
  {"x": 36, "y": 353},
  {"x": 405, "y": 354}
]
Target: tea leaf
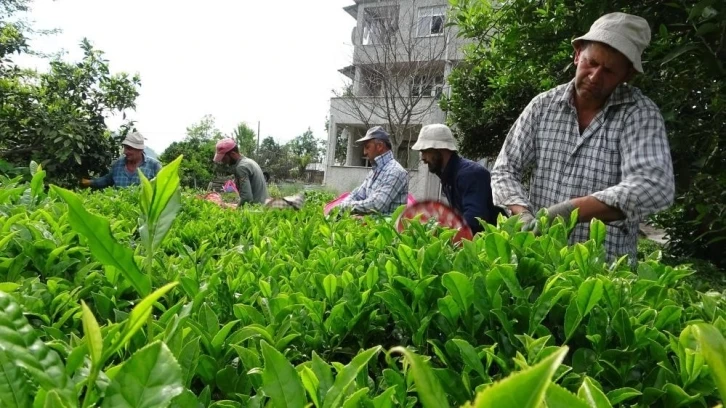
[
  {"x": 428, "y": 387},
  {"x": 525, "y": 389},
  {"x": 281, "y": 382},
  {"x": 150, "y": 378},
  {"x": 103, "y": 246}
]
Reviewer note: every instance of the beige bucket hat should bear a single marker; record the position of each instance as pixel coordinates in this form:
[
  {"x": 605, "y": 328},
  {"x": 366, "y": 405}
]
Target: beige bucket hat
[{"x": 626, "y": 33}]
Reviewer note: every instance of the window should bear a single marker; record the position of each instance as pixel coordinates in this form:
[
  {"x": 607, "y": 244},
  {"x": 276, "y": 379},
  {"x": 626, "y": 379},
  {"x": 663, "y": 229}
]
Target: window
[
  {"x": 431, "y": 21},
  {"x": 373, "y": 84},
  {"x": 427, "y": 86},
  {"x": 379, "y": 25}
]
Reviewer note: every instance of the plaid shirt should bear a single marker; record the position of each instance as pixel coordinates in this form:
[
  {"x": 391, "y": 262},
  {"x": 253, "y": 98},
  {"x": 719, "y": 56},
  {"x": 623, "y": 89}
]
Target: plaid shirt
[
  {"x": 120, "y": 177},
  {"x": 622, "y": 159},
  {"x": 383, "y": 190}
]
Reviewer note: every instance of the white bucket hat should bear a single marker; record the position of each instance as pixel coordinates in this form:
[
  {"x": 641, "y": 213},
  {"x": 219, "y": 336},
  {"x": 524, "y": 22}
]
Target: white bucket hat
[
  {"x": 435, "y": 137},
  {"x": 626, "y": 33},
  {"x": 135, "y": 140}
]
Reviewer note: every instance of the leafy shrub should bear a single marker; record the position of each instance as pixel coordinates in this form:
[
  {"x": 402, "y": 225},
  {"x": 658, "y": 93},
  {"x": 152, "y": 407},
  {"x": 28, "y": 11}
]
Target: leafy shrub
[{"x": 143, "y": 297}]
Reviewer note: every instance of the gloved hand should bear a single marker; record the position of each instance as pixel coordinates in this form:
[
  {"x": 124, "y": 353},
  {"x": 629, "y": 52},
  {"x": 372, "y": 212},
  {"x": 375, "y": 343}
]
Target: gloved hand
[
  {"x": 85, "y": 182},
  {"x": 563, "y": 209},
  {"x": 527, "y": 219}
]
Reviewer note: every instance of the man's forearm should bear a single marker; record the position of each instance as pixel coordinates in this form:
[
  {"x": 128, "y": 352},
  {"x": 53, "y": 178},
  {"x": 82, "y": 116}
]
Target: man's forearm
[{"x": 590, "y": 207}]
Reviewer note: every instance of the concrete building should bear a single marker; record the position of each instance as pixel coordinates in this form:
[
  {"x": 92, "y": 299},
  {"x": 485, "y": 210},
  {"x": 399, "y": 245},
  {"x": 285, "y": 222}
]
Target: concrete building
[{"x": 402, "y": 53}]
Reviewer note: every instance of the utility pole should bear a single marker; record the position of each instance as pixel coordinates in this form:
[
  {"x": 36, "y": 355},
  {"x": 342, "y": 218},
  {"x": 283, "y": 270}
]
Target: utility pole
[{"x": 258, "y": 139}]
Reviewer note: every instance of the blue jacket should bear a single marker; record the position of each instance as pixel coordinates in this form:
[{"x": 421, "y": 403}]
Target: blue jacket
[{"x": 467, "y": 186}]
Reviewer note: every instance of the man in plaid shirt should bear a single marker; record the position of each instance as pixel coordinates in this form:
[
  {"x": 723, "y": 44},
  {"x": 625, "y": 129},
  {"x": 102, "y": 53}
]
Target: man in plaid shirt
[
  {"x": 124, "y": 171},
  {"x": 597, "y": 144},
  {"x": 386, "y": 187}
]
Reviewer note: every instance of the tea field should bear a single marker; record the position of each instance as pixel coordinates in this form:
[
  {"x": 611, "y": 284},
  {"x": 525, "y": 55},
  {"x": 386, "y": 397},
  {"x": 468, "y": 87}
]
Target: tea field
[{"x": 149, "y": 297}]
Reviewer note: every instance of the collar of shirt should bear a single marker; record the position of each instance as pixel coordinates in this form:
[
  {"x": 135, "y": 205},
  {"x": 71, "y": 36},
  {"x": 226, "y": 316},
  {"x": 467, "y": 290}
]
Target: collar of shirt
[
  {"x": 380, "y": 161},
  {"x": 622, "y": 94}
]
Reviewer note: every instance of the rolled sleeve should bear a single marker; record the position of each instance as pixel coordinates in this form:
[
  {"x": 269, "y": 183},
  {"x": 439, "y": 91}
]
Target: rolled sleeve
[
  {"x": 388, "y": 187},
  {"x": 647, "y": 184},
  {"x": 518, "y": 152}
]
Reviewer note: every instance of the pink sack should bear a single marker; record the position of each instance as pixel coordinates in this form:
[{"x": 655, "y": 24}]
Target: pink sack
[
  {"x": 229, "y": 187},
  {"x": 329, "y": 206}
]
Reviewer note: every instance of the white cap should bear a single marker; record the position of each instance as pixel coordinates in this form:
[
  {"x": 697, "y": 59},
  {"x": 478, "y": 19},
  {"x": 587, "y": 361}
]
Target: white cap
[
  {"x": 135, "y": 140},
  {"x": 626, "y": 33},
  {"x": 435, "y": 137}
]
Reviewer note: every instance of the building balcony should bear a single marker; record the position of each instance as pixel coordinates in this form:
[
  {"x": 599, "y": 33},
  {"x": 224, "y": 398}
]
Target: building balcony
[{"x": 373, "y": 110}]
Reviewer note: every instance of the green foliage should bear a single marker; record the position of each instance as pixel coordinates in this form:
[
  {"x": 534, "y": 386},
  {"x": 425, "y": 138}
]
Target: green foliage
[
  {"x": 198, "y": 148},
  {"x": 522, "y": 48},
  {"x": 58, "y": 118},
  {"x": 261, "y": 307},
  {"x": 275, "y": 158},
  {"x": 246, "y": 139}
]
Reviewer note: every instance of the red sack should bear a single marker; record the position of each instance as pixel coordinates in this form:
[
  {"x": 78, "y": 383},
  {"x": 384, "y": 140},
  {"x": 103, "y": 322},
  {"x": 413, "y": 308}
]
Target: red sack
[{"x": 443, "y": 214}]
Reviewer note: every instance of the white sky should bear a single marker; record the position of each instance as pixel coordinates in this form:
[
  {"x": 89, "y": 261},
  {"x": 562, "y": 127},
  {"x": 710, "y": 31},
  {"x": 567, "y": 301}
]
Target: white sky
[{"x": 275, "y": 61}]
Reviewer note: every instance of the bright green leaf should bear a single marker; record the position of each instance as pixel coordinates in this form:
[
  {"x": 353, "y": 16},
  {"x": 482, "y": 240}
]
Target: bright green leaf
[
  {"x": 103, "y": 245},
  {"x": 280, "y": 380},
  {"x": 336, "y": 393},
  {"x": 428, "y": 387},
  {"x": 150, "y": 378},
  {"x": 92, "y": 334},
  {"x": 525, "y": 389},
  {"x": 593, "y": 395}
]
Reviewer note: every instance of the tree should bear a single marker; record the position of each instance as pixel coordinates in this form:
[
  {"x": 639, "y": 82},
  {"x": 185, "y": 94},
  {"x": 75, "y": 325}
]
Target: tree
[
  {"x": 275, "y": 158},
  {"x": 523, "y": 48},
  {"x": 58, "y": 118},
  {"x": 401, "y": 61},
  {"x": 205, "y": 129},
  {"x": 246, "y": 139},
  {"x": 198, "y": 147}
]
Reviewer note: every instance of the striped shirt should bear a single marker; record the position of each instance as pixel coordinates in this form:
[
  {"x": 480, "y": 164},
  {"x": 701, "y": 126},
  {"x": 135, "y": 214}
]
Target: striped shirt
[
  {"x": 384, "y": 189},
  {"x": 622, "y": 159},
  {"x": 120, "y": 177}
]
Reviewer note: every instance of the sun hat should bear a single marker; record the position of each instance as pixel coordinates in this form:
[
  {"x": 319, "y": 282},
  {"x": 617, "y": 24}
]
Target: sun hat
[
  {"x": 435, "y": 136},
  {"x": 135, "y": 140},
  {"x": 626, "y": 33}
]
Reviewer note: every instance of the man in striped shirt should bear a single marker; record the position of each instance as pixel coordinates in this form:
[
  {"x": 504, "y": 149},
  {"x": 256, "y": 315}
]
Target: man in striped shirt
[
  {"x": 386, "y": 187},
  {"x": 597, "y": 144}
]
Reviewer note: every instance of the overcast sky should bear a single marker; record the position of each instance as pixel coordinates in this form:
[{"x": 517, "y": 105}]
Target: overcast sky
[{"x": 239, "y": 60}]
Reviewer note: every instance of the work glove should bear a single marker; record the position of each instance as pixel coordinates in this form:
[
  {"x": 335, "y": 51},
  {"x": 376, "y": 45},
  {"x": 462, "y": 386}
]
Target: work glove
[
  {"x": 563, "y": 209},
  {"x": 85, "y": 182}
]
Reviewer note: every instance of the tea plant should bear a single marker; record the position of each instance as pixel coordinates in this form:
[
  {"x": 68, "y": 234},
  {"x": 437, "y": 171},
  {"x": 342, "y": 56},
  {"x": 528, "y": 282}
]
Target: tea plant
[{"x": 148, "y": 297}]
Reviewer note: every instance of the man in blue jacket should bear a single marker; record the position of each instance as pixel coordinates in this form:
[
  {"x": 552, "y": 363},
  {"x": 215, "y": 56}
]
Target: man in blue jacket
[{"x": 466, "y": 184}]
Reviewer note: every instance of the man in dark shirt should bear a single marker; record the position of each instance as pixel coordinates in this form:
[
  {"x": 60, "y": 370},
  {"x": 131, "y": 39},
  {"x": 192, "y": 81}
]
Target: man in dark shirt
[{"x": 465, "y": 183}]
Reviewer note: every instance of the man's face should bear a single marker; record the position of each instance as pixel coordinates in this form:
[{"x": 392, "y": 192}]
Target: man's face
[
  {"x": 132, "y": 155},
  {"x": 227, "y": 159},
  {"x": 600, "y": 69},
  {"x": 372, "y": 149},
  {"x": 434, "y": 160}
]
